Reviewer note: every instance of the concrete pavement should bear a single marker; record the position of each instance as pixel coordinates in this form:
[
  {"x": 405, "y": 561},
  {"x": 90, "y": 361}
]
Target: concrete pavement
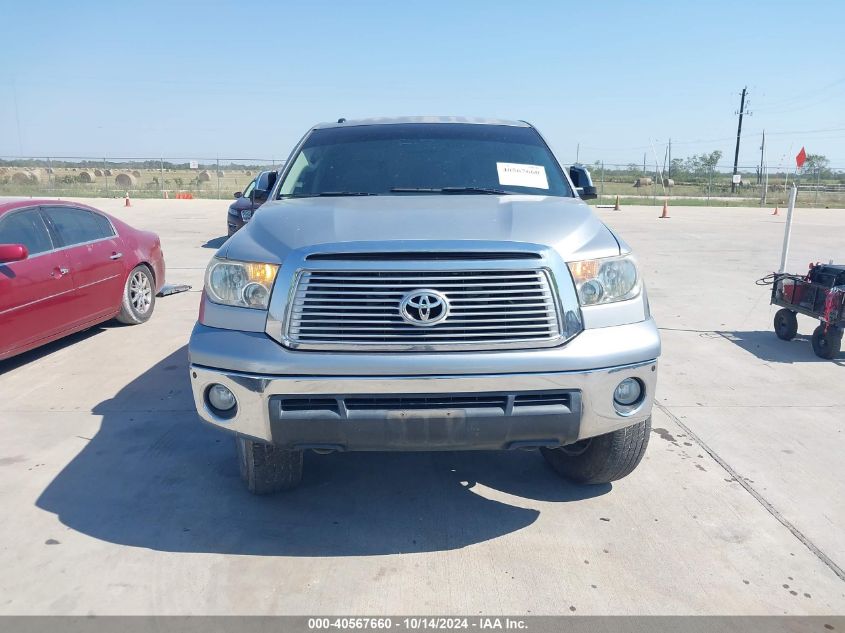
[{"x": 116, "y": 500}]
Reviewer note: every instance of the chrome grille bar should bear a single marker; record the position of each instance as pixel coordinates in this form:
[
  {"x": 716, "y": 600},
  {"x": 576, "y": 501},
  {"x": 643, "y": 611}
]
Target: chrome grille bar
[{"x": 360, "y": 310}]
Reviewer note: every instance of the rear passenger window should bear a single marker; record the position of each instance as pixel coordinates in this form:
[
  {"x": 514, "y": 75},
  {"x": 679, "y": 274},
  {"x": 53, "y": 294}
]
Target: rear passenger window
[
  {"x": 77, "y": 226},
  {"x": 27, "y": 228}
]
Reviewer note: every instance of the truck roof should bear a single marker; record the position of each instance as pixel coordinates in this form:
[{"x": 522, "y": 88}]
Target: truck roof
[{"x": 420, "y": 119}]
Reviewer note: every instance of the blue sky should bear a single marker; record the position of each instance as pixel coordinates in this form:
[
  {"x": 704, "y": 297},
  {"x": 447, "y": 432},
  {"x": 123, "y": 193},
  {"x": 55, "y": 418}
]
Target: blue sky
[{"x": 246, "y": 79}]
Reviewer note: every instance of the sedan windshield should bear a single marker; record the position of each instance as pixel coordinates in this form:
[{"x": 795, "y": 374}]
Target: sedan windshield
[{"x": 424, "y": 158}]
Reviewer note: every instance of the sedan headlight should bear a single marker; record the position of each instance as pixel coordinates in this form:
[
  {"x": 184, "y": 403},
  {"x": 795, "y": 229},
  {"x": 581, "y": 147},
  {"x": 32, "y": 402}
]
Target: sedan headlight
[
  {"x": 605, "y": 280},
  {"x": 241, "y": 284}
]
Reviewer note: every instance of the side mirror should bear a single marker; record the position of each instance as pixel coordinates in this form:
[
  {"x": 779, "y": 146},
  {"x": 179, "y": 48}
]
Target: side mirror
[
  {"x": 583, "y": 182},
  {"x": 259, "y": 194},
  {"x": 587, "y": 193},
  {"x": 238, "y": 194},
  {"x": 12, "y": 253}
]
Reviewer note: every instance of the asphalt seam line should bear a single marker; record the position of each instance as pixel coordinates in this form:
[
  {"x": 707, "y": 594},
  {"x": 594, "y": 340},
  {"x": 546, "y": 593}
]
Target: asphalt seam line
[{"x": 836, "y": 569}]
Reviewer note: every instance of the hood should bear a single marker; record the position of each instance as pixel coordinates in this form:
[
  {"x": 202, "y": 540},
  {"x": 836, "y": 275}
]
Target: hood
[{"x": 565, "y": 224}]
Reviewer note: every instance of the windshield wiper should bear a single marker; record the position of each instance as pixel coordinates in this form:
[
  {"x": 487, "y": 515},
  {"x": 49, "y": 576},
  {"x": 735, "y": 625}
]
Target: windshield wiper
[
  {"x": 328, "y": 194},
  {"x": 451, "y": 190}
]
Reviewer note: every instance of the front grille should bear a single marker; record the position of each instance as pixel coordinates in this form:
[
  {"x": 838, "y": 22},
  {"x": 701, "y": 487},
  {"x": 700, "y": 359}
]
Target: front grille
[{"x": 360, "y": 309}]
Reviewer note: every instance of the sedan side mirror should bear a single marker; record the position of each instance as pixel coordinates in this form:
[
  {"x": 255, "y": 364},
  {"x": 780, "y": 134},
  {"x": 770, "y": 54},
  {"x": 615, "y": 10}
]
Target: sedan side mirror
[
  {"x": 259, "y": 194},
  {"x": 583, "y": 182},
  {"x": 12, "y": 253},
  {"x": 238, "y": 194}
]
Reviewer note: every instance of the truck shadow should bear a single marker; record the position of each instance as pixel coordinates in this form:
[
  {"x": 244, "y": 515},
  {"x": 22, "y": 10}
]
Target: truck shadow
[{"x": 155, "y": 477}]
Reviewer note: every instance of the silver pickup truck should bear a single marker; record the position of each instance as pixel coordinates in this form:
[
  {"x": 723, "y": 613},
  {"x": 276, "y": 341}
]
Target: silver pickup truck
[{"x": 426, "y": 284}]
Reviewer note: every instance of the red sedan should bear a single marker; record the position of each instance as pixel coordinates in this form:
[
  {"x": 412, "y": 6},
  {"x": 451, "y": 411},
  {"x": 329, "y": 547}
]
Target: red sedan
[{"x": 65, "y": 267}]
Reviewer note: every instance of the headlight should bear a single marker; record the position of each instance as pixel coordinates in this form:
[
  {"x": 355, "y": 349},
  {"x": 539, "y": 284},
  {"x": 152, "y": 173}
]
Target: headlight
[
  {"x": 605, "y": 280},
  {"x": 242, "y": 284}
]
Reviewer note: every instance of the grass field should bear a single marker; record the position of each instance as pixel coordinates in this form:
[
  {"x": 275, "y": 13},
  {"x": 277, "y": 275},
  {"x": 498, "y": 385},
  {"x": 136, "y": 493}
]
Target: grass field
[
  {"x": 110, "y": 180},
  {"x": 113, "y": 181}
]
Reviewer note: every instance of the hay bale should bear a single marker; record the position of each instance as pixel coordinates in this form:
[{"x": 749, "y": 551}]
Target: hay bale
[
  {"x": 248, "y": 173},
  {"x": 221, "y": 173},
  {"x": 668, "y": 182},
  {"x": 86, "y": 177},
  {"x": 136, "y": 173},
  {"x": 644, "y": 182},
  {"x": 25, "y": 178},
  {"x": 124, "y": 181},
  {"x": 204, "y": 176},
  {"x": 107, "y": 172},
  {"x": 98, "y": 173}
]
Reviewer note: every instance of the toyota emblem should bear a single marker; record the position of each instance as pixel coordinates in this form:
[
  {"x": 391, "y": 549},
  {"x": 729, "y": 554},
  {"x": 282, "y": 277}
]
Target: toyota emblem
[{"x": 424, "y": 307}]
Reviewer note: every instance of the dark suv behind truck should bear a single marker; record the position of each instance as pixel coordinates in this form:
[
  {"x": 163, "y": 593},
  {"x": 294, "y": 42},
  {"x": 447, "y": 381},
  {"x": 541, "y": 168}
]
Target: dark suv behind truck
[{"x": 247, "y": 201}]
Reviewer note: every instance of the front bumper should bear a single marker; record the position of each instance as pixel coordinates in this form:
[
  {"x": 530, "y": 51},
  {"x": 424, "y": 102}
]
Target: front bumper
[{"x": 261, "y": 374}]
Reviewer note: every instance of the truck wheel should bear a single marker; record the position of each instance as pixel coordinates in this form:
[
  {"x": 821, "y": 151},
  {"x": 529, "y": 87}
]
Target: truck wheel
[
  {"x": 601, "y": 459},
  {"x": 786, "y": 324},
  {"x": 827, "y": 344},
  {"x": 139, "y": 297},
  {"x": 266, "y": 469}
]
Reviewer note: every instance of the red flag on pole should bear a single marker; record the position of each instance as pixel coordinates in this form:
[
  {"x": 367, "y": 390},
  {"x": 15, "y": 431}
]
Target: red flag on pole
[{"x": 799, "y": 160}]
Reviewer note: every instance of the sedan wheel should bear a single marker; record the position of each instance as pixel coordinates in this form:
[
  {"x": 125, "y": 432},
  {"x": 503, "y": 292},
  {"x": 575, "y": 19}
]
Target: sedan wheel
[{"x": 138, "y": 297}]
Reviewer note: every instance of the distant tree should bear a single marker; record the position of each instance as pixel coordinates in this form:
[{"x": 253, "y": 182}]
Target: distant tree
[
  {"x": 702, "y": 163},
  {"x": 814, "y": 163},
  {"x": 678, "y": 168}
]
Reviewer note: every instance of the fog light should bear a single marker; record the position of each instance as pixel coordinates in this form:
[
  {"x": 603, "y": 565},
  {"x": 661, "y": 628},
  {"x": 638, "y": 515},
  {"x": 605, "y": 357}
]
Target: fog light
[
  {"x": 628, "y": 393},
  {"x": 221, "y": 398}
]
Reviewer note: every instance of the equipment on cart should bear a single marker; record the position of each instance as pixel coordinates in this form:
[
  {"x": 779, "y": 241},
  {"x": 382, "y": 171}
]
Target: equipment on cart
[{"x": 819, "y": 294}]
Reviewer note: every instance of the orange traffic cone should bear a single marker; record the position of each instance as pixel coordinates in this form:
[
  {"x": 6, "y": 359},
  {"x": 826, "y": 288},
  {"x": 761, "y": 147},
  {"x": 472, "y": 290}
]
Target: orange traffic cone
[
  {"x": 616, "y": 206},
  {"x": 126, "y": 202},
  {"x": 775, "y": 211},
  {"x": 665, "y": 213}
]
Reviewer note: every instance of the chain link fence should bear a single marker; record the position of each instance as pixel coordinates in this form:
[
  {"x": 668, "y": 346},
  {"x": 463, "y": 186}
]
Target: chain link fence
[
  {"x": 714, "y": 186},
  {"x": 222, "y": 177},
  {"x": 137, "y": 177}
]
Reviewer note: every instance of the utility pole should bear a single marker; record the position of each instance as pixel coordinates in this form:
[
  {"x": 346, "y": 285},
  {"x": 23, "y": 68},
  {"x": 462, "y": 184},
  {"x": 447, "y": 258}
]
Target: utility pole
[
  {"x": 738, "y": 134},
  {"x": 762, "y": 158},
  {"x": 643, "y": 163},
  {"x": 577, "y": 153},
  {"x": 669, "y": 169}
]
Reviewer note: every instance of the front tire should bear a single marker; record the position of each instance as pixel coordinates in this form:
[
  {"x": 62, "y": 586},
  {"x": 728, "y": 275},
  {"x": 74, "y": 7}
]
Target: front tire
[
  {"x": 139, "y": 297},
  {"x": 601, "y": 459},
  {"x": 827, "y": 344},
  {"x": 266, "y": 469},
  {"x": 786, "y": 324}
]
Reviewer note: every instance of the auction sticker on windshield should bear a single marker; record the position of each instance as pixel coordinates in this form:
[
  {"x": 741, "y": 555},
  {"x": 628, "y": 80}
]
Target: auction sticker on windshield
[{"x": 518, "y": 175}]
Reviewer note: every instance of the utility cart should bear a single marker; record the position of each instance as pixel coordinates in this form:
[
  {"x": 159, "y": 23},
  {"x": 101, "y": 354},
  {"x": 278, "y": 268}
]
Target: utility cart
[{"x": 819, "y": 294}]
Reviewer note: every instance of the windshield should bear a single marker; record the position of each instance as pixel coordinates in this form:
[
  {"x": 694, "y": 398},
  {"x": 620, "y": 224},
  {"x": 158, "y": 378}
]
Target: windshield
[{"x": 424, "y": 158}]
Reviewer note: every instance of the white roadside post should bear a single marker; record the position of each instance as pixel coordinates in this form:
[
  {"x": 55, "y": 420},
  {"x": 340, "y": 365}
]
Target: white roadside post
[{"x": 787, "y": 233}]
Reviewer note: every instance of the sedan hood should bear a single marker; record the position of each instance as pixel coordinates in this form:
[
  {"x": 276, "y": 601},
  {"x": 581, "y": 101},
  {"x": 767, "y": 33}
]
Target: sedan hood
[{"x": 564, "y": 224}]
